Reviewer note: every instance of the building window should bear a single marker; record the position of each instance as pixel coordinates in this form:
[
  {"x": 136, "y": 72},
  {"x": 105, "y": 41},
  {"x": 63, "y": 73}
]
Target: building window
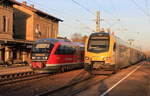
[
  {"x": 4, "y": 23},
  {"x": 8, "y": 25},
  {"x": 52, "y": 29},
  {"x": 37, "y": 30},
  {"x": 47, "y": 31}
]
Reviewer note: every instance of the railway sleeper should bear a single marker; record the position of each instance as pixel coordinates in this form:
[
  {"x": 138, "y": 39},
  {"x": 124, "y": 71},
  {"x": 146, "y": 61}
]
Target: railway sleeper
[{"x": 15, "y": 76}]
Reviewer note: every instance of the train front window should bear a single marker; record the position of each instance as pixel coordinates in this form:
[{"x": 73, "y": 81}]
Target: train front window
[
  {"x": 98, "y": 43},
  {"x": 42, "y": 47}
]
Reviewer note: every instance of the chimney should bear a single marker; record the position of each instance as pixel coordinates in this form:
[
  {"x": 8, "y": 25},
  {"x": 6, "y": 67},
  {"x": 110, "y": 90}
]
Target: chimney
[
  {"x": 24, "y": 2},
  {"x": 32, "y": 6}
]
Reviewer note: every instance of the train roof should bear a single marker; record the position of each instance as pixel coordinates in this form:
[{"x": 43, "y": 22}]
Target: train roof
[
  {"x": 118, "y": 40},
  {"x": 53, "y": 40},
  {"x": 100, "y": 33},
  {"x": 79, "y": 44}
]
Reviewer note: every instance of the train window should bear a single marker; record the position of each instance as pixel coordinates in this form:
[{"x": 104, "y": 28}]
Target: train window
[
  {"x": 114, "y": 48},
  {"x": 74, "y": 50},
  {"x": 51, "y": 46},
  {"x": 42, "y": 48},
  {"x": 43, "y": 45},
  {"x": 59, "y": 50},
  {"x": 123, "y": 50},
  {"x": 64, "y": 49},
  {"x": 69, "y": 50},
  {"x": 98, "y": 44}
]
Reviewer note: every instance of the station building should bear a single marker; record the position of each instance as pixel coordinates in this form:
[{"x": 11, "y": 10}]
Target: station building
[{"x": 20, "y": 26}]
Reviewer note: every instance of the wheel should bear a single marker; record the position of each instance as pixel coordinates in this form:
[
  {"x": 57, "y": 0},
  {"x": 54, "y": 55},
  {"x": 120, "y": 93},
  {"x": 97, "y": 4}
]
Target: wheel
[{"x": 62, "y": 69}]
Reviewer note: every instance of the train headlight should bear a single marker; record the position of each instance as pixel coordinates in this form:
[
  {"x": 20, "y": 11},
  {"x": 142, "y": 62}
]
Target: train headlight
[
  {"x": 86, "y": 58},
  {"x": 33, "y": 57},
  {"x": 44, "y": 57},
  {"x": 107, "y": 58}
]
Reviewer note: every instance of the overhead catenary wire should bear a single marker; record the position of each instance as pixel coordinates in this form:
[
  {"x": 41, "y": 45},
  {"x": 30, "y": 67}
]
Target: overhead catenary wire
[
  {"x": 85, "y": 25},
  {"x": 61, "y": 13},
  {"x": 94, "y": 14},
  {"x": 106, "y": 11},
  {"x": 140, "y": 8},
  {"x": 112, "y": 15},
  {"x": 113, "y": 6},
  {"x": 88, "y": 10},
  {"x": 146, "y": 6},
  {"x": 40, "y": 6},
  {"x": 85, "y": 8}
]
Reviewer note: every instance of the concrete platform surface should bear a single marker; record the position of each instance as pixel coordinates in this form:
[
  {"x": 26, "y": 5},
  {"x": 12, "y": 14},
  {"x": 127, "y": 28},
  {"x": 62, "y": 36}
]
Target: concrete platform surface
[
  {"x": 12, "y": 70},
  {"x": 133, "y": 81}
]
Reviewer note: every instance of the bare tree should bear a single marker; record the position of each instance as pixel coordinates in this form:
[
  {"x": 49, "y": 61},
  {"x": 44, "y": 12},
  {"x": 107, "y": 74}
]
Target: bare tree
[{"x": 77, "y": 37}]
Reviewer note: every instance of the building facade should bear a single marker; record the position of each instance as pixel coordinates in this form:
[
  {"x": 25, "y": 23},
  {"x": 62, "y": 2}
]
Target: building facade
[
  {"x": 34, "y": 23},
  {"x": 6, "y": 28},
  {"x": 6, "y": 20},
  {"x": 20, "y": 26}
]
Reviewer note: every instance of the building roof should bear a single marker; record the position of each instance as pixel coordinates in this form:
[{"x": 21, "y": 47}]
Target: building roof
[{"x": 39, "y": 12}]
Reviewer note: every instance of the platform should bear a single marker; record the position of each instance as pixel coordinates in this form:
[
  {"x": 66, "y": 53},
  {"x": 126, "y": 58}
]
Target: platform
[
  {"x": 132, "y": 81},
  {"x": 13, "y": 70}
]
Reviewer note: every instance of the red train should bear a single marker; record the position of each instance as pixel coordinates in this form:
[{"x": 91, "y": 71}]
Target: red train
[{"x": 54, "y": 55}]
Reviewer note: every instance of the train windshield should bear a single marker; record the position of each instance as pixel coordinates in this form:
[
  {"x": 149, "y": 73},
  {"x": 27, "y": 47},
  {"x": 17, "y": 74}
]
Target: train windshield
[
  {"x": 98, "y": 43},
  {"x": 42, "y": 47}
]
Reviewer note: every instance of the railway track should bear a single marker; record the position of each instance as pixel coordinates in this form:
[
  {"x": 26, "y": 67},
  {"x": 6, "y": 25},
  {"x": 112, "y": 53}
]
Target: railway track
[
  {"x": 18, "y": 77},
  {"x": 24, "y": 76},
  {"x": 15, "y": 75},
  {"x": 76, "y": 87}
]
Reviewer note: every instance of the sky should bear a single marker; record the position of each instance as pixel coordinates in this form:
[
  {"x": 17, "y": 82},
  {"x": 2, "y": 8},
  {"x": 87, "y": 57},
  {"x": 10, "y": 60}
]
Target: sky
[{"x": 128, "y": 19}]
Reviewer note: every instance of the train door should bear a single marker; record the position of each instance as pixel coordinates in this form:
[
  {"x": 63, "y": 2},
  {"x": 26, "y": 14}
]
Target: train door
[
  {"x": 114, "y": 54},
  {"x": 59, "y": 56},
  {"x": 77, "y": 54},
  {"x": 117, "y": 57}
]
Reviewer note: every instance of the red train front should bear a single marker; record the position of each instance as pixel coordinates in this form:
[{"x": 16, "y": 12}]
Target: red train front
[{"x": 53, "y": 55}]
